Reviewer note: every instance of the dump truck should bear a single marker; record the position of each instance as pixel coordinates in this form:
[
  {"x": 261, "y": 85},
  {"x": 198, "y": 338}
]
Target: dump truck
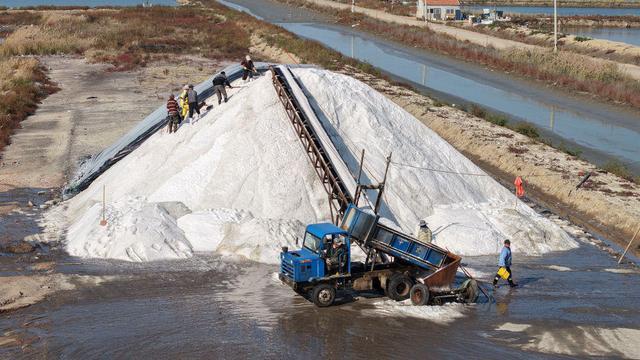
[{"x": 396, "y": 264}]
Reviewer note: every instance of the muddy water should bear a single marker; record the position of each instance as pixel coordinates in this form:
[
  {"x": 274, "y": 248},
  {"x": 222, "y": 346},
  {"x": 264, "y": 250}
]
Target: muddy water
[
  {"x": 601, "y": 131},
  {"x": 220, "y": 308}
]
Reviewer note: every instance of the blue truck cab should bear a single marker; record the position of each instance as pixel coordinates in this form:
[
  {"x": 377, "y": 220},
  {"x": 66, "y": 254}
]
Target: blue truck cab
[{"x": 299, "y": 268}]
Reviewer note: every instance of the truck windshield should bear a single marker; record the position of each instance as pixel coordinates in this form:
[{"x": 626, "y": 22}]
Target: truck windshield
[{"x": 312, "y": 243}]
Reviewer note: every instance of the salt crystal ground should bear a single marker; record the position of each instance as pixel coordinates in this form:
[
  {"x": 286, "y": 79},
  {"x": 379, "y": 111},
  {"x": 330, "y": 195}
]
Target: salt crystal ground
[{"x": 238, "y": 182}]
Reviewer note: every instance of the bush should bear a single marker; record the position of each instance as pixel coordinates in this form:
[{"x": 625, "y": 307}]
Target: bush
[
  {"x": 527, "y": 130},
  {"x": 438, "y": 103},
  {"x": 499, "y": 120},
  {"x": 478, "y": 111},
  {"x": 618, "y": 168},
  {"x": 582, "y": 38}
]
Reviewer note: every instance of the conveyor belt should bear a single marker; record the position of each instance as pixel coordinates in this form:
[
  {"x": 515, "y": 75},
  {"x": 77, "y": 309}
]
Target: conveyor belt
[{"x": 327, "y": 162}]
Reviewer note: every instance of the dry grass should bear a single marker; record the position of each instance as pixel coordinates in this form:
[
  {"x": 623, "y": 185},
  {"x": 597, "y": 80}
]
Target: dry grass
[
  {"x": 129, "y": 37},
  {"x": 22, "y": 85}
]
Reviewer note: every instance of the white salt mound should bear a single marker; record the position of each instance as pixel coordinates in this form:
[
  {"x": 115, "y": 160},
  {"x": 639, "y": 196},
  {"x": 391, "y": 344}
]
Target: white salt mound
[
  {"x": 238, "y": 182},
  {"x": 470, "y": 215},
  {"x": 241, "y": 155}
]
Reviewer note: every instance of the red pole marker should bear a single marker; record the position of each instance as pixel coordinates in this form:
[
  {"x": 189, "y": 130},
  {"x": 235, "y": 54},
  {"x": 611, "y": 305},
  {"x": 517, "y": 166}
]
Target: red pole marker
[{"x": 519, "y": 188}]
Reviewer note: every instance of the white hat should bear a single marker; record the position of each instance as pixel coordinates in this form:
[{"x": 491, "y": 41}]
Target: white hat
[
  {"x": 186, "y": 87},
  {"x": 338, "y": 241},
  {"x": 248, "y": 57}
]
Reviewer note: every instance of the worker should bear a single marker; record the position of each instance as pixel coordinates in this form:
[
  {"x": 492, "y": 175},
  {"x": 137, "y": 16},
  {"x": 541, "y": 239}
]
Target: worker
[
  {"x": 247, "y": 68},
  {"x": 183, "y": 101},
  {"x": 504, "y": 261},
  {"x": 424, "y": 233},
  {"x": 219, "y": 82},
  {"x": 172, "y": 113},
  {"x": 335, "y": 256},
  {"x": 192, "y": 97}
]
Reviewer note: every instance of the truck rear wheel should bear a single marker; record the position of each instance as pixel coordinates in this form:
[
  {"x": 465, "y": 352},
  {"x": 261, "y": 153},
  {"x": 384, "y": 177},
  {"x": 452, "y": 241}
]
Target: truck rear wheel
[
  {"x": 323, "y": 295},
  {"x": 419, "y": 294},
  {"x": 399, "y": 287}
]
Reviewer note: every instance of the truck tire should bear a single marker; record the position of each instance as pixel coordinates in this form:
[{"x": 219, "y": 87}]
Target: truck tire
[
  {"x": 399, "y": 287},
  {"x": 323, "y": 295},
  {"x": 469, "y": 291},
  {"x": 419, "y": 294}
]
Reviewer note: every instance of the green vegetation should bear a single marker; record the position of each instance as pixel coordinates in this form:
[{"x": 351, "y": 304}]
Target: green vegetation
[
  {"x": 582, "y": 38},
  {"x": 618, "y": 168},
  {"x": 527, "y": 130},
  {"x": 571, "y": 151}
]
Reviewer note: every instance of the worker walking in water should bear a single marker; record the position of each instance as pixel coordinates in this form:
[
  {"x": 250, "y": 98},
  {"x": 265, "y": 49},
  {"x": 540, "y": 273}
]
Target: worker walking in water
[
  {"x": 504, "y": 263},
  {"x": 424, "y": 233},
  {"x": 219, "y": 82},
  {"x": 248, "y": 68},
  {"x": 172, "y": 113},
  {"x": 335, "y": 256},
  {"x": 183, "y": 101},
  {"x": 192, "y": 97}
]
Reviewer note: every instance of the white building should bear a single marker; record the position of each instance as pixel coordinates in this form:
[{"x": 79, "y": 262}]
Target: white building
[{"x": 439, "y": 10}]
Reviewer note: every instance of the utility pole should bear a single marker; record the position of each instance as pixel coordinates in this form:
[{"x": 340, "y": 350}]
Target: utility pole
[
  {"x": 555, "y": 26},
  {"x": 353, "y": 6}
]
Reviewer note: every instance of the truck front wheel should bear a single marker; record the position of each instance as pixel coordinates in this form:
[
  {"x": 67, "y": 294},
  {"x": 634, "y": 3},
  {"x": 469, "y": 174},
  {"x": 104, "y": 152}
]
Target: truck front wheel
[
  {"x": 323, "y": 295},
  {"x": 419, "y": 294}
]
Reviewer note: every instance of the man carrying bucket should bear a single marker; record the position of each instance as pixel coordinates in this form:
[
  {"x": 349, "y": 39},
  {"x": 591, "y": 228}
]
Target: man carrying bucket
[{"x": 504, "y": 263}]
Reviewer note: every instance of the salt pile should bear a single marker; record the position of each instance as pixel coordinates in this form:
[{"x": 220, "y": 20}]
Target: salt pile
[
  {"x": 238, "y": 182},
  {"x": 470, "y": 214}
]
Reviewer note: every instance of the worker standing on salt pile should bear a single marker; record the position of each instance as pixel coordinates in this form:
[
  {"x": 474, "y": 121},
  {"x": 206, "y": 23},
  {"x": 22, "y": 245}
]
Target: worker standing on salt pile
[
  {"x": 219, "y": 82},
  {"x": 247, "y": 68},
  {"x": 504, "y": 263},
  {"x": 424, "y": 233},
  {"x": 172, "y": 112},
  {"x": 192, "y": 97},
  {"x": 183, "y": 101}
]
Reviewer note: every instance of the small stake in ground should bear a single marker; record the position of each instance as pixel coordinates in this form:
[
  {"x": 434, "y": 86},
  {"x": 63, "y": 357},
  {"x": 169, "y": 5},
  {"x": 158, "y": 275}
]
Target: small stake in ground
[
  {"x": 103, "y": 222},
  {"x": 628, "y": 246}
]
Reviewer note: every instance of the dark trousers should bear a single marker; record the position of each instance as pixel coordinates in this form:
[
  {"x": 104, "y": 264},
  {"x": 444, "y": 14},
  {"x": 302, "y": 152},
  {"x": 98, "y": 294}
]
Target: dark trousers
[
  {"x": 174, "y": 121},
  {"x": 247, "y": 74},
  {"x": 193, "y": 107},
  {"x": 220, "y": 92},
  {"x": 497, "y": 277}
]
